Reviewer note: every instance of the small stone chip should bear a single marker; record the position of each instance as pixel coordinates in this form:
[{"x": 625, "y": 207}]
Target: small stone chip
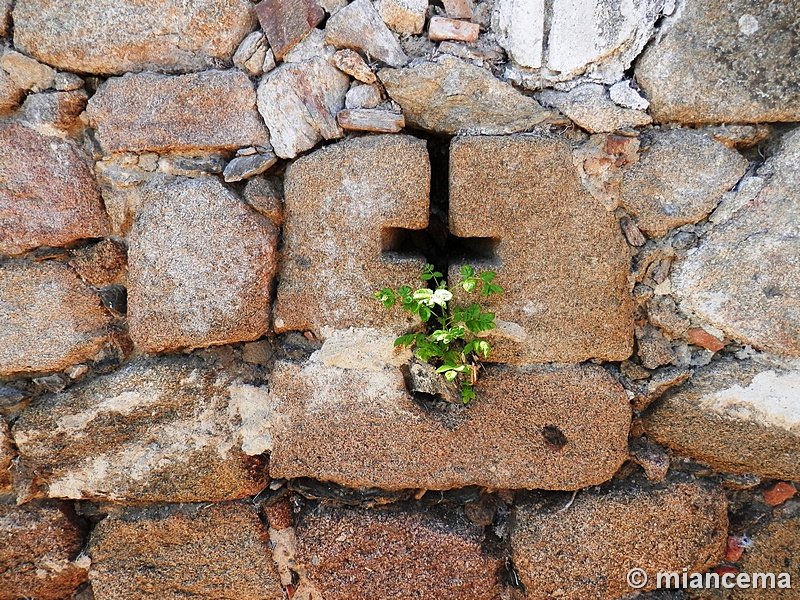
[
  {"x": 365, "y": 119},
  {"x": 351, "y": 63}
]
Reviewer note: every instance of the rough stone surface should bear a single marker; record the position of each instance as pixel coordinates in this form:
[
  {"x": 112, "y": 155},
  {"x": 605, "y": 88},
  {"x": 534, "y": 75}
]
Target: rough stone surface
[
  {"x": 523, "y": 192},
  {"x": 11, "y": 94},
  {"x": 680, "y": 178},
  {"x": 251, "y": 54},
  {"x": 201, "y": 551},
  {"x": 286, "y": 22},
  {"x": 102, "y": 264},
  {"x": 363, "y": 119},
  {"x": 179, "y": 297},
  {"x": 242, "y": 167},
  {"x": 358, "y": 26},
  {"x": 265, "y": 194},
  {"x": 54, "y": 111},
  {"x": 299, "y": 103},
  {"x": 724, "y": 61},
  {"x": 737, "y": 416},
  {"x": 363, "y": 96},
  {"x": 212, "y": 110},
  {"x": 156, "y": 430},
  {"x": 451, "y": 96},
  {"x": 389, "y": 553},
  {"x": 403, "y": 16},
  {"x": 589, "y": 108},
  {"x": 440, "y": 29},
  {"x": 744, "y": 278},
  {"x": 7, "y": 455},
  {"x": 542, "y": 427},
  {"x": 27, "y": 73},
  {"x": 661, "y": 528},
  {"x": 5, "y": 17},
  {"x": 342, "y": 205},
  {"x": 111, "y": 37},
  {"x": 39, "y": 552},
  {"x": 48, "y": 195},
  {"x": 560, "y": 40},
  {"x": 49, "y": 319},
  {"x": 350, "y": 62}
]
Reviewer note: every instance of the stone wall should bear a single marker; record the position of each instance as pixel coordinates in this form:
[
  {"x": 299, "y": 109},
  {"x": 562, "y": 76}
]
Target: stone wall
[{"x": 200, "y": 397}]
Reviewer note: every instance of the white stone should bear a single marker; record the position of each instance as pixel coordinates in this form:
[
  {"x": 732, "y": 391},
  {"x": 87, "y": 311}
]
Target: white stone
[
  {"x": 623, "y": 94},
  {"x": 363, "y": 96},
  {"x": 519, "y": 25}
]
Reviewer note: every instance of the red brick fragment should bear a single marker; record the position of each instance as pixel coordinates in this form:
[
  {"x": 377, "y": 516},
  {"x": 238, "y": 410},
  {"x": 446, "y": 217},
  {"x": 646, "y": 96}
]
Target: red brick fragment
[
  {"x": 779, "y": 493},
  {"x": 701, "y": 337}
]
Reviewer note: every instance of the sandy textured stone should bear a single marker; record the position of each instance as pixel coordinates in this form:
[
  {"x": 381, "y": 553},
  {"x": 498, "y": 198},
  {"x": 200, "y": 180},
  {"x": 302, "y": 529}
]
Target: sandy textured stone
[
  {"x": 48, "y": 195},
  {"x": 589, "y": 108},
  {"x": 550, "y": 42},
  {"x": 212, "y": 110},
  {"x": 111, "y": 37},
  {"x": 286, "y": 22},
  {"x": 545, "y": 427},
  {"x": 155, "y": 430},
  {"x": 54, "y": 111},
  {"x": 744, "y": 277},
  {"x": 376, "y": 121},
  {"x": 451, "y": 96},
  {"x": 342, "y": 205},
  {"x": 11, "y": 94},
  {"x": 181, "y": 297},
  {"x": 5, "y": 17},
  {"x": 251, "y": 54},
  {"x": 737, "y": 416},
  {"x": 440, "y": 29},
  {"x": 200, "y": 551},
  {"x": 101, "y": 264},
  {"x": 7, "y": 455},
  {"x": 403, "y": 16},
  {"x": 29, "y": 74},
  {"x": 724, "y": 61},
  {"x": 680, "y": 178},
  {"x": 350, "y": 62},
  {"x": 242, "y": 167},
  {"x": 358, "y": 26},
  {"x": 775, "y": 549},
  {"x": 265, "y": 194},
  {"x": 363, "y": 96},
  {"x": 49, "y": 319},
  {"x": 458, "y": 9},
  {"x": 391, "y": 553},
  {"x": 299, "y": 103},
  {"x": 39, "y": 552},
  {"x": 559, "y": 305},
  {"x": 587, "y": 550}
]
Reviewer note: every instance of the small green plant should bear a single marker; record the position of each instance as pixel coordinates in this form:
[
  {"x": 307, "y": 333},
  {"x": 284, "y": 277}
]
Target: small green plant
[{"x": 452, "y": 347}]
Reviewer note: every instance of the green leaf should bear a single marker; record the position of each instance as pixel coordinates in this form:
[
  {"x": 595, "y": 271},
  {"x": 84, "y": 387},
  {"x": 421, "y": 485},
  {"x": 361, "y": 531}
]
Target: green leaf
[
  {"x": 468, "y": 348},
  {"x": 387, "y": 296},
  {"x": 467, "y": 271},
  {"x": 441, "y": 297},
  {"x": 405, "y": 340},
  {"x": 404, "y": 291},
  {"x": 473, "y": 312},
  {"x": 491, "y": 288},
  {"x": 450, "y": 375},
  {"x": 482, "y": 348},
  {"x": 470, "y": 284},
  {"x": 487, "y": 276},
  {"x": 424, "y": 313},
  {"x": 467, "y": 394},
  {"x": 453, "y": 368}
]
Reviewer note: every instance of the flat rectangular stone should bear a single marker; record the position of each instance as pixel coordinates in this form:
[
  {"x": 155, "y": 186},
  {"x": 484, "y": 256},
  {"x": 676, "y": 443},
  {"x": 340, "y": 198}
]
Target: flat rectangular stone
[
  {"x": 156, "y": 430},
  {"x": 286, "y": 22},
  {"x": 198, "y": 551},
  {"x": 111, "y": 37},
  {"x": 169, "y": 301},
  {"x": 377, "y": 121},
  {"x": 558, "y": 253},
  {"x": 542, "y": 427},
  {"x": 440, "y": 29},
  {"x": 212, "y": 110},
  {"x": 339, "y": 202}
]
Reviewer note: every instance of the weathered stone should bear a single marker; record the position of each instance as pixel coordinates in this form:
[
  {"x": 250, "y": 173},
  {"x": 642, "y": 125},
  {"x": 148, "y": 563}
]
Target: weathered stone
[
  {"x": 403, "y": 16},
  {"x": 524, "y": 193},
  {"x": 191, "y": 164},
  {"x": 7, "y": 456},
  {"x": 680, "y": 177},
  {"x": 111, "y": 37},
  {"x": 589, "y": 108},
  {"x": 663, "y": 313},
  {"x": 49, "y": 319},
  {"x": 623, "y": 94},
  {"x": 265, "y": 194},
  {"x": 286, "y": 22},
  {"x": 5, "y": 17},
  {"x": 101, "y": 264},
  {"x": 740, "y": 279},
  {"x": 299, "y": 103},
  {"x": 201, "y": 551},
  {"x": 54, "y": 111},
  {"x": 212, "y": 110},
  {"x": 451, "y": 96},
  {"x": 40, "y": 548},
  {"x": 358, "y": 26},
  {"x": 546, "y": 427},
  {"x": 440, "y": 29},
  {"x": 741, "y": 136},
  {"x": 27, "y": 73},
  {"x": 559, "y": 41},
  {"x": 11, "y": 94},
  {"x": 458, "y": 9},
  {"x": 391, "y": 553},
  {"x": 775, "y": 549},
  {"x": 49, "y": 196},
  {"x": 242, "y": 167},
  {"x": 724, "y": 61},
  {"x": 251, "y": 54},
  {"x": 343, "y": 206},
  {"x": 363, "y": 119},
  {"x": 588, "y": 550},
  {"x": 155, "y": 430},
  {"x": 67, "y": 82},
  {"x": 120, "y": 185},
  {"x": 651, "y": 457},
  {"x": 170, "y": 304},
  {"x": 737, "y": 416},
  {"x": 653, "y": 348},
  {"x": 350, "y": 62},
  {"x": 311, "y": 46},
  {"x": 363, "y": 96}
]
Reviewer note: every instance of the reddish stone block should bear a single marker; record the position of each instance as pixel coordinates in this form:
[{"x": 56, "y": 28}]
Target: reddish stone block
[{"x": 286, "y": 22}]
